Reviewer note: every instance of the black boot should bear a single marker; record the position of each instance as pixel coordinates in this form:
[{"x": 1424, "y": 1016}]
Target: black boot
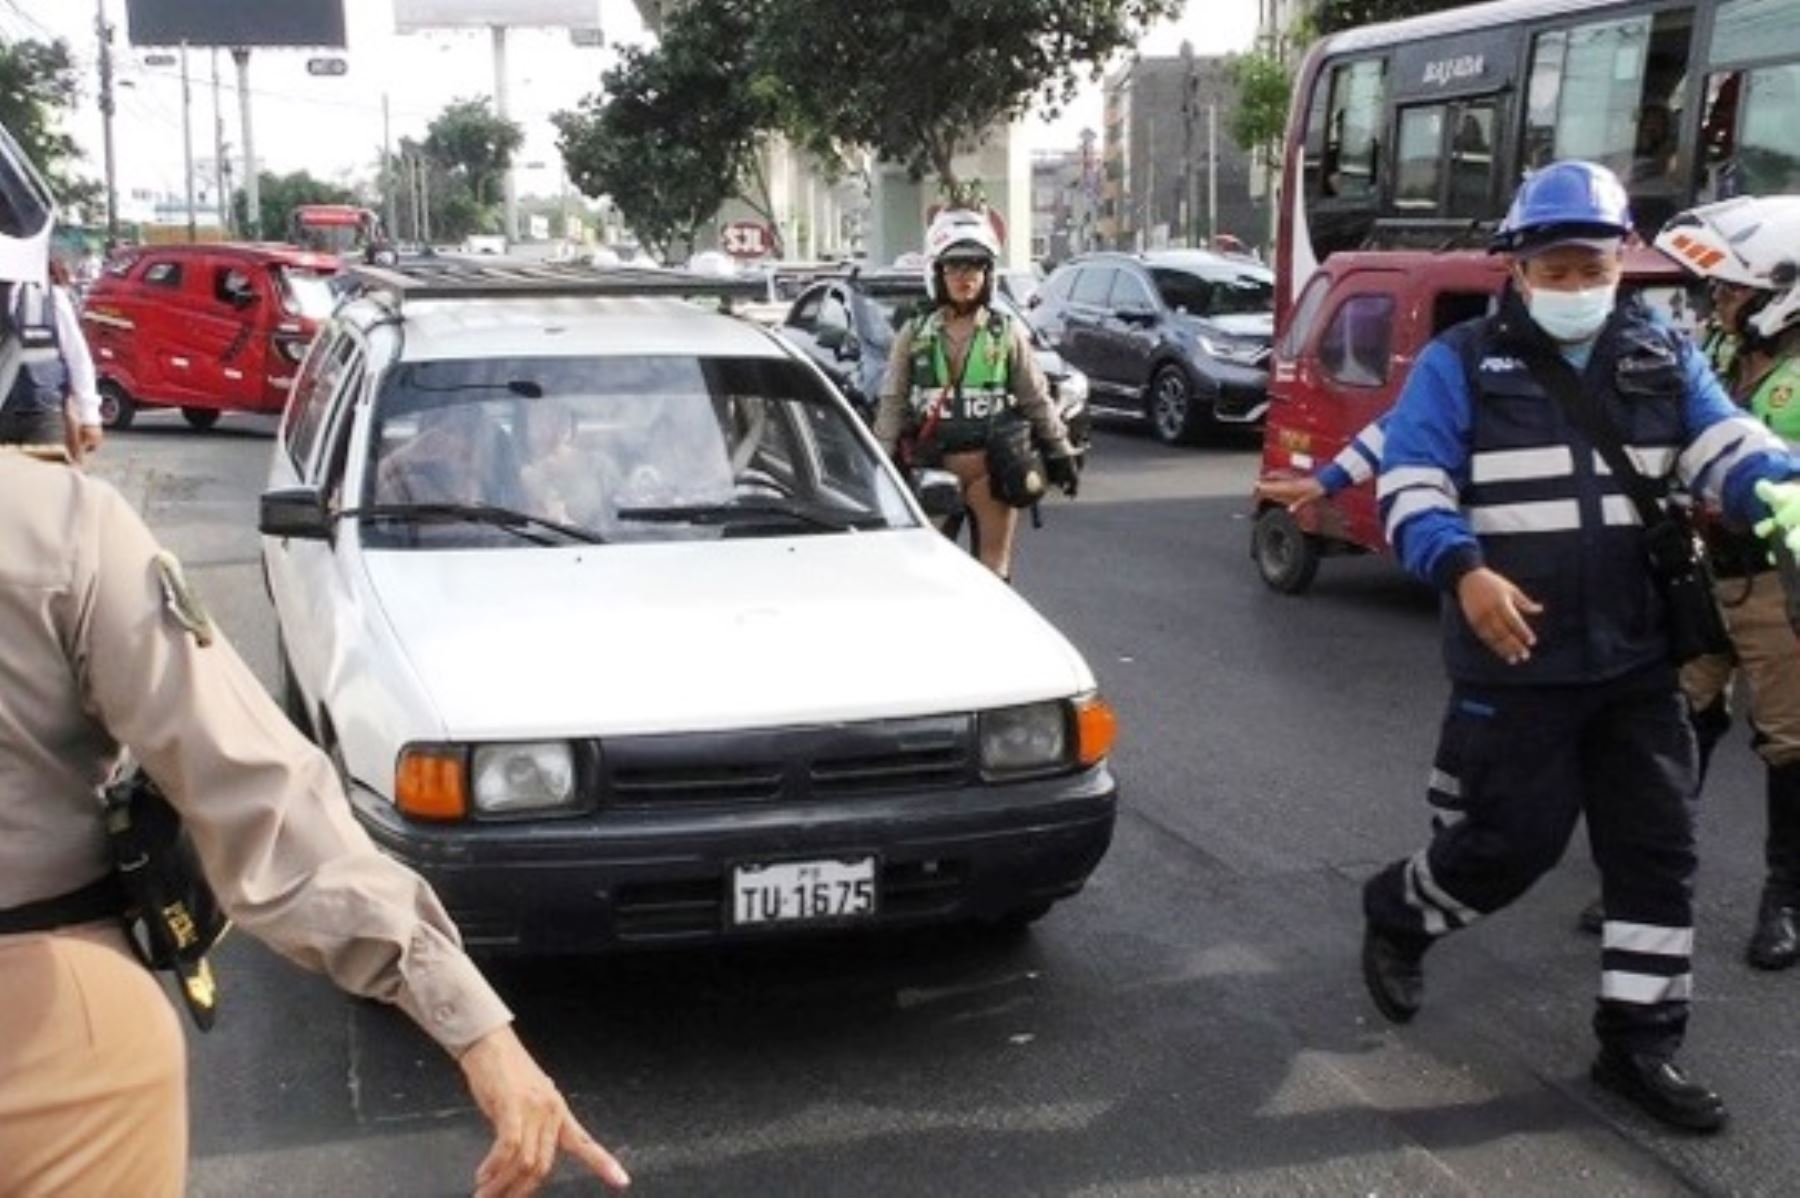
[
  {"x": 1393, "y": 970},
  {"x": 1775, "y": 944},
  {"x": 1657, "y": 1086}
]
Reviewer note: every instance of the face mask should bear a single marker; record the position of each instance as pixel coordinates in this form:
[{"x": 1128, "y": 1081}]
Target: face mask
[{"x": 1572, "y": 315}]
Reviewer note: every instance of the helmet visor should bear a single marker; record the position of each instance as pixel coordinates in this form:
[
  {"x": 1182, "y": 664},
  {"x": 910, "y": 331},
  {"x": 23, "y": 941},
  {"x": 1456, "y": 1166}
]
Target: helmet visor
[{"x": 26, "y": 214}]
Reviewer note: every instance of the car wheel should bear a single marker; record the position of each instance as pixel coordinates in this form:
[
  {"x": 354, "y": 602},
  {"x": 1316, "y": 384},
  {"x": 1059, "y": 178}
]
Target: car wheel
[
  {"x": 117, "y": 408},
  {"x": 200, "y": 418},
  {"x": 1286, "y": 556},
  {"x": 1174, "y": 412}
]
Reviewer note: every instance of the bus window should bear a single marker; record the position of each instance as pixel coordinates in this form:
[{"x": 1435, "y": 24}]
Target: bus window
[
  {"x": 1419, "y": 173},
  {"x": 1611, "y": 92},
  {"x": 1748, "y": 31},
  {"x": 1352, "y": 130},
  {"x": 1472, "y": 161},
  {"x": 1747, "y": 145}
]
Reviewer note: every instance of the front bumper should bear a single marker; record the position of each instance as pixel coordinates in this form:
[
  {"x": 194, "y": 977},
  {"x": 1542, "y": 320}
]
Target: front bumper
[
  {"x": 1240, "y": 394},
  {"x": 644, "y": 877}
]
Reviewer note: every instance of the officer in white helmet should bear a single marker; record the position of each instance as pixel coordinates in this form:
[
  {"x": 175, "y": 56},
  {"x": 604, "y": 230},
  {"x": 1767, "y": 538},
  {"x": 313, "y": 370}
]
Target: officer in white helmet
[
  {"x": 1748, "y": 252},
  {"x": 960, "y": 377}
]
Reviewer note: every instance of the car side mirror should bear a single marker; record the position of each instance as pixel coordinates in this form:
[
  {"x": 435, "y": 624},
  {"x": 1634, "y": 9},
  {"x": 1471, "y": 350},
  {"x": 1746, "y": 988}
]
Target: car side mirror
[
  {"x": 940, "y": 493},
  {"x": 296, "y": 512},
  {"x": 832, "y": 337}
]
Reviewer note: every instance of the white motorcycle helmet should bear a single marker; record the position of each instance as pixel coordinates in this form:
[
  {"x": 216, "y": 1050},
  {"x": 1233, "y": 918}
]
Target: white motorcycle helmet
[
  {"x": 959, "y": 235},
  {"x": 26, "y": 215},
  {"x": 1751, "y": 242}
]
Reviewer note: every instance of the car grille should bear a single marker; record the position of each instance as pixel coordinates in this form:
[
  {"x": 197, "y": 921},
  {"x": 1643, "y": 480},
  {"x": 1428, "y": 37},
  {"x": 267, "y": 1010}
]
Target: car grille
[{"x": 796, "y": 764}]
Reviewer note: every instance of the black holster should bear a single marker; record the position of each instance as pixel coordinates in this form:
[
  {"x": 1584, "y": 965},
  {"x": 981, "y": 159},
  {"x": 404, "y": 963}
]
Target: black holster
[
  {"x": 1679, "y": 564},
  {"x": 1016, "y": 473},
  {"x": 171, "y": 916}
]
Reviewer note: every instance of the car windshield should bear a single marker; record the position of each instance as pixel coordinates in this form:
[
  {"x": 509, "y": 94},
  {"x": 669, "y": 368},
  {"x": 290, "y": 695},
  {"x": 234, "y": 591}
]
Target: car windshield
[
  {"x": 1215, "y": 293},
  {"x": 305, "y": 292},
  {"x": 623, "y": 449}
]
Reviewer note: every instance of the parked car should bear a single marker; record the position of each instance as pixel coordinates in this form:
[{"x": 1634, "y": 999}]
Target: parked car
[
  {"x": 1180, "y": 337},
  {"x": 584, "y": 598},
  {"x": 847, "y": 326},
  {"x": 204, "y": 328},
  {"x": 1020, "y": 285},
  {"x": 1340, "y": 362}
]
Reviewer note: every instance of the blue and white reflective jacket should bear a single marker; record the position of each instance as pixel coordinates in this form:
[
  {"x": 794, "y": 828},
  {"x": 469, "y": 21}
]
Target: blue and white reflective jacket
[
  {"x": 1480, "y": 466},
  {"x": 1357, "y": 462}
]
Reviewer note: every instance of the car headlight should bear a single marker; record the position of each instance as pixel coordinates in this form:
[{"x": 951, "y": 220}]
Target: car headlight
[
  {"x": 293, "y": 349},
  {"x": 1028, "y": 739},
  {"x": 530, "y": 776},
  {"x": 1238, "y": 353}
]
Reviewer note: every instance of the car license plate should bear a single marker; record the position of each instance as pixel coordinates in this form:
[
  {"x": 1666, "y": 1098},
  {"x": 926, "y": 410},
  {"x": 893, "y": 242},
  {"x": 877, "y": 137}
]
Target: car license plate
[{"x": 802, "y": 892}]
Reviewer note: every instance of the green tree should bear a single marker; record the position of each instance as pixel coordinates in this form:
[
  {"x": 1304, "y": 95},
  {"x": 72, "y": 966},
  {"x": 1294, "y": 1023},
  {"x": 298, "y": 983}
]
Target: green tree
[
  {"x": 1264, "y": 86},
  {"x": 474, "y": 146},
  {"x": 278, "y": 196},
  {"x": 38, "y": 84},
  {"x": 678, "y": 130},
  {"x": 917, "y": 81},
  {"x": 1333, "y": 15}
]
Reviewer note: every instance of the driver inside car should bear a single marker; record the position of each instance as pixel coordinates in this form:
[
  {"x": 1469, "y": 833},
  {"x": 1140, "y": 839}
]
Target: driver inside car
[{"x": 455, "y": 456}]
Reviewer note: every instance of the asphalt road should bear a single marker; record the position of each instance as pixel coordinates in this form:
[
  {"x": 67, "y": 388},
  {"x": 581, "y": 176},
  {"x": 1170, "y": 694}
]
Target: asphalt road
[{"x": 1192, "y": 1024}]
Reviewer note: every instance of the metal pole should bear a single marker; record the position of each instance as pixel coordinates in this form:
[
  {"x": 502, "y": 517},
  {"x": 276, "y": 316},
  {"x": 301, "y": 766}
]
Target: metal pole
[
  {"x": 104, "y": 32},
  {"x": 187, "y": 145},
  {"x": 387, "y": 173},
  {"x": 252, "y": 184},
  {"x": 501, "y": 110},
  {"x": 221, "y": 166},
  {"x": 1212, "y": 171},
  {"x": 424, "y": 197}
]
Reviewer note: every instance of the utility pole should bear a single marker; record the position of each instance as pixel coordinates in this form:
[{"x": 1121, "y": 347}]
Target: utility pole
[
  {"x": 501, "y": 110},
  {"x": 387, "y": 173},
  {"x": 104, "y": 32},
  {"x": 221, "y": 165},
  {"x": 252, "y": 185},
  {"x": 187, "y": 145},
  {"x": 1147, "y": 235},
  {"x": 1212, "y": 172}
]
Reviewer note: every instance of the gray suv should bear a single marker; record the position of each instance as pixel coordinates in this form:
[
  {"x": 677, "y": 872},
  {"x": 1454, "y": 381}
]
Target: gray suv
[{"x": 1180, "y": 337}]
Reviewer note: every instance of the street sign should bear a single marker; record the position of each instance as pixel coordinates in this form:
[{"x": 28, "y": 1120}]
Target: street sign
[
  {"x": 326, "y": 66},
  {"x": 747, "y": 239}
]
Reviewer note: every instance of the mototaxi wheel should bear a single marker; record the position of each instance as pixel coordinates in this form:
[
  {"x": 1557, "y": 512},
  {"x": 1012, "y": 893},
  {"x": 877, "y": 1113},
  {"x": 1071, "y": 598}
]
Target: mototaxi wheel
[{"x": 1286, "y": 555}]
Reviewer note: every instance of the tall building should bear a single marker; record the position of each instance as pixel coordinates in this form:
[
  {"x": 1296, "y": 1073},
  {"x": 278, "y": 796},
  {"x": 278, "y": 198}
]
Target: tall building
[
  {"x": 1065, "y": 201},
  {"x": 1173, "y": 175}
]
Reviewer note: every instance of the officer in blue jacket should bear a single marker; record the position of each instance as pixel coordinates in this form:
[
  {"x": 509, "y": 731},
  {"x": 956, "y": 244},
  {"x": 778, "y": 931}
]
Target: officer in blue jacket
[{"x": 1564, "y": 698}]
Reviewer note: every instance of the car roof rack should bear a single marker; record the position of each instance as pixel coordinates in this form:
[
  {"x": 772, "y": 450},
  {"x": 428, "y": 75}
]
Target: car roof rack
[{"x": 451, "y": 280}]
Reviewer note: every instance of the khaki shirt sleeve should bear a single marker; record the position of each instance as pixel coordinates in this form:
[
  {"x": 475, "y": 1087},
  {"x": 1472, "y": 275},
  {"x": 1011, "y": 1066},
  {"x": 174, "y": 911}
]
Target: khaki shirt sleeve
[
  {"x": 1031, "y": 390},
  {"x": 288, "y": 861},
  {"x": 892, "y": 410}
]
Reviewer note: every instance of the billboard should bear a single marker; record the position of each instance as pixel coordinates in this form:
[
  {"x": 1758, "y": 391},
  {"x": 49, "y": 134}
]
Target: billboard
[
  {"x": 410, "y": 16},
  {"x": 235, "y": 23}
]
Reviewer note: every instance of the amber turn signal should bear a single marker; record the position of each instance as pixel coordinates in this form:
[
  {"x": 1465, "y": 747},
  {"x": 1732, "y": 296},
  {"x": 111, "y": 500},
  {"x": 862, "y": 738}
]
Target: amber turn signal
[
  {"x": 431, "y": 782},
  {"x": 1096, "y": 727}
]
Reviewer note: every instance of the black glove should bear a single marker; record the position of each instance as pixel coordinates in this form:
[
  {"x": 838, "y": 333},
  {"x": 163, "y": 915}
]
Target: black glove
[{"x": 1063, "y": 472}]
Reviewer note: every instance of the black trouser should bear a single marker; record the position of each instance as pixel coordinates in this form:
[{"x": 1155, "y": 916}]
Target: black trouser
[
  {"x": 38, "y": 427},
  {"x": 1524, "y": 764}
]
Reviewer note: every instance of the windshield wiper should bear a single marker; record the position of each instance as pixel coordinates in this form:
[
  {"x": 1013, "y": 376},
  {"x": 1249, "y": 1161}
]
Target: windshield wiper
[
  {"x": 477, "y": 513},
  {"x": 748, "y": 511}
]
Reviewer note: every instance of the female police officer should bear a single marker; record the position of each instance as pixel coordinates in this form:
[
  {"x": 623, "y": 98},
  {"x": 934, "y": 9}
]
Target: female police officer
[
  {"x": 104, "y": 648},
  {"x": 951, "y": 373},
  {"x": 1564, "y": 697}
]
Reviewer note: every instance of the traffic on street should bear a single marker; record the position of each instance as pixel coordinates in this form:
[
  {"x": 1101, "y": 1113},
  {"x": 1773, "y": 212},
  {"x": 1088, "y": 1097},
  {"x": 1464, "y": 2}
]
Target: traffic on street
[{"x": 783, "y": 597}]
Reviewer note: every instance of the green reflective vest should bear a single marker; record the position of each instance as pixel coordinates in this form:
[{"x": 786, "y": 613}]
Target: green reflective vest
[
  {"x": 952, "y": 415},
  {"x": 1776, "y": 400}
]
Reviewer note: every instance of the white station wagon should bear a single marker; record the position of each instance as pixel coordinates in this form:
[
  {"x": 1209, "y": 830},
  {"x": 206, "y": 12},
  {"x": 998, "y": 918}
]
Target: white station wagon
[{"x": 621, "y": 629}]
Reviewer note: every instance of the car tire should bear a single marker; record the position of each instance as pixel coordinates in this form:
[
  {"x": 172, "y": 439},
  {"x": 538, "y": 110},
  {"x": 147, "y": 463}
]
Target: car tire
[
  {"x": 200, "y": 418},
  {"x": 1175, "y": 411},
  {"x": 117, "y": 408},
  {"x": 1286, "y": 555}
]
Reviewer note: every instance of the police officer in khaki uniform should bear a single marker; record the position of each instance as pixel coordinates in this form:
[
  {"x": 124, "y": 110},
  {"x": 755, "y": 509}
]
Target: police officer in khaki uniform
[{"x": 106, "y": 649}]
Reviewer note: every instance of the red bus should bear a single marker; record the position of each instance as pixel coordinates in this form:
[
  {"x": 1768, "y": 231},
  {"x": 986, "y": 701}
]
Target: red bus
[
  {"x": 1414, "y": 134},
  {"x": 342, "y": 229}
]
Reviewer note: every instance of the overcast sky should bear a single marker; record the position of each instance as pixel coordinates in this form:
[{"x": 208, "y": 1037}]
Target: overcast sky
[{"x": 333, "y": 127}]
